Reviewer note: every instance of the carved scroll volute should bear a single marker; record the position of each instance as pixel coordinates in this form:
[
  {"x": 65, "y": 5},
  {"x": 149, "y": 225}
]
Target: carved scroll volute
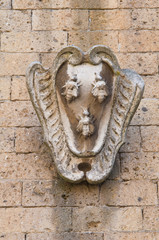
[{"x": 85, "y": 103}]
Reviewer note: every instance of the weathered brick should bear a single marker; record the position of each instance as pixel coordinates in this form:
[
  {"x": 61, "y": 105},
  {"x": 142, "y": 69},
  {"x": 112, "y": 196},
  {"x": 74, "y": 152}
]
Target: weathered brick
[
  {"x": 138, "y": 3},
  {"x": 131, "y": 236},
  {"x": 60, "y": 20},
  {"x": 16, "y": 63},
  {"x": 28, "y": 139},
  {"x": 10, "y": 193},
  {"x": 27, "y": 166},
  {"x": 150, "y": 138},
  {"x": 59, "y": 193},
  {"x": 5, "y": 88},
  {"x": 12, "y": 236},
  {"x": 5, "y": 4},
  {"x": 132, "y": 140},
  {"x": 42, "y": 41},
  {"x": 34, "y": 4},
  {"x": 143, "y": 165},
  {"x": 128, "y": 193},
  {"x": 18, "y": 113},
  {"x": 85, "y": 40},
  {"x": 140, "y": 62},
  {"x": 46, "y": 219},
  {"x": 147, "y": 113},
  {"x": 15, "y": 21},
  {"x": 110, "y": 19},
  {"x": 18, "y": 88},
  {"x": 150, "y": 219},
  {"x": 139, "y": 41},
  {"x": 104, "y": 218},
  {"x": 151, "y": 86},
  {"x": 145, "y": 19},
  {"x": 108, "y": 4},
  {"x": 65, "y": 236},
  {"x": 7, "y": 138},
  {"x": 35, "y": 219}
]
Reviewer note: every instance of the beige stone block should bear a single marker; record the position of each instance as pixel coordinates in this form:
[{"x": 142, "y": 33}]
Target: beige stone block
[
  {"x": 5, "y": 4},
  {"x": 94, "y": 4},
  {"x": 110, "y": 19},
  {"x": 147, "y": 113},
  {"x": 5, "y": 88},
  {"x": 7, "y": 139},
  {"x": 150, "y": 218},
  {"x": 47, "y": 59},
  {"x": 143, "y": 165},
  {"x": 140, "y": 62},
  {"x": 65, "y": 236},
  {"x": 35, "y": 219},
  {"x": 19, "y": 89},
  {"x": 139, "y": 41},
  {"x": 46, "y": 219},
  {"x": 18, "y": 113},
  {"x": 138, "y": 3},
  {"x": 10, "y": 193},
  {"x": 129, "y": 193},
  {"x": 131, "y": 236},
  {"x": 27, "y": 166},
  {"x": 59, "y": 193},
  {"x": 16, "y": 63},
  {"x": 12, "y": 236},
  {"x": 150, "y": 138},
  {"x": 10, "y": 220},
  {"x": 60, "y": 20},
  {"x": 42, "y": 41},
  {"x": 33, "y": 4},
  {"x": 11, "y": 20},
  {"x": 151, "y": 86},
  {"x": 145, "y": 19},
  {"x": 105, "y": 218},
  {"x": 85, "y": 40},
  {"x": 132, "y": 140},
  {"x": 28, "y": 139}
]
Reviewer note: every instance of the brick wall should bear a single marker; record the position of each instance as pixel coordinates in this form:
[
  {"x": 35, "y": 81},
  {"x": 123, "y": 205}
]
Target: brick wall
[{"x": 35, "y": 203}]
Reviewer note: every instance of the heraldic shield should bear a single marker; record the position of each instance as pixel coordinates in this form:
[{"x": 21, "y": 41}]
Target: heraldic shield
[{"x": 84, "y": 103}]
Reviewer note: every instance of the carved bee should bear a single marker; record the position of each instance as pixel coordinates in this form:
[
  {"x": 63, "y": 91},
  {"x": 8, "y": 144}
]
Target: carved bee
[
  {"x": 85, "y": 125},
  {"x": 100, "y": 90},
  {"x": 71, "y": 89}
]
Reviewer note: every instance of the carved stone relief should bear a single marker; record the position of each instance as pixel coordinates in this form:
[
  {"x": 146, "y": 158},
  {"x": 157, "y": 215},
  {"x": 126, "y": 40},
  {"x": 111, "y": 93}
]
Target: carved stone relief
[{"x": 84, "y": 102}]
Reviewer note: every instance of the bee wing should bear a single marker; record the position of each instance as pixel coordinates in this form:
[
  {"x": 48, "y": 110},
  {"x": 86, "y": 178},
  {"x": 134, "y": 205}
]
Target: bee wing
[
  {"x": 95, "y": 91},
  {"x": 91, "y": 128},
  {"x": 79, "y": 127}
]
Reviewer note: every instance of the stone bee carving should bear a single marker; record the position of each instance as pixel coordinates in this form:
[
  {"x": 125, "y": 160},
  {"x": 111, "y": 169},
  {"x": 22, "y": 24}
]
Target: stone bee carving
[
  {"x": 85, "y": 125},
  {"x": 100, "y": 90},
  {"x": 84, "y": 102},
  {"x": 71, "y": 89}
]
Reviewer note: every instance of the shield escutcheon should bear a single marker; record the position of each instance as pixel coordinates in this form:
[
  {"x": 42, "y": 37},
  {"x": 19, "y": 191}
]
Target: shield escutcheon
[{"x": 84, "y": 102}]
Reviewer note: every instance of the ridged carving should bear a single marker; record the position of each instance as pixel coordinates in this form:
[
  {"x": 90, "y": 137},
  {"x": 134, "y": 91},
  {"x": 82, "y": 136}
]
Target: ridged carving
[{"x": 84, "y": 103}]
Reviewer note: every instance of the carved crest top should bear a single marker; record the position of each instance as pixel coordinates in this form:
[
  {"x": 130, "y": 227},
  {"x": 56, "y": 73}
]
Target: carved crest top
[{"x": 85, "y": 103}]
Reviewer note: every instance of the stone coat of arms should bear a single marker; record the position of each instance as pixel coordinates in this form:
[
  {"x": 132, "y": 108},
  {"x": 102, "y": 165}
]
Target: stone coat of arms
[{"x": 84, "y": 102}]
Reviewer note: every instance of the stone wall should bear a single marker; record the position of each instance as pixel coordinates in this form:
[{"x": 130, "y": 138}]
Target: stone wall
[{"x": 35, "y": 203}]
